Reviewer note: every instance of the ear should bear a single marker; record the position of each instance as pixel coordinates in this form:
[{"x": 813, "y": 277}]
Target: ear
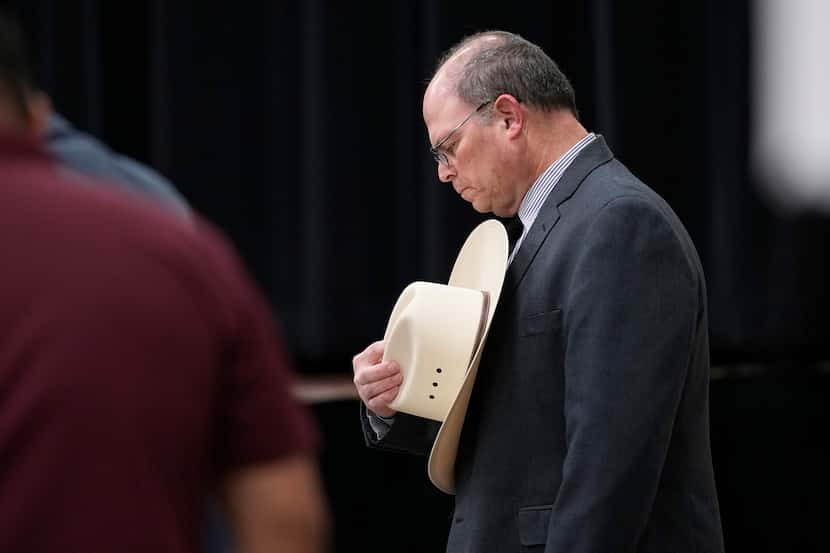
[
  {"x": 510, "y": 114},
  {"x": 40, "y": 110}
]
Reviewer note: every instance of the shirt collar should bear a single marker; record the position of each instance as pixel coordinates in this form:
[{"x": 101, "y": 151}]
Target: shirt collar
[{"x": 539, "y": 191}]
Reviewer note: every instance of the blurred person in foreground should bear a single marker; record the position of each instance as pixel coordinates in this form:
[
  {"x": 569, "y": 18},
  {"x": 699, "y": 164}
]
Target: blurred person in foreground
[
  {"x": 139, "y": 369},
  {"x": 588, "y": 428}
]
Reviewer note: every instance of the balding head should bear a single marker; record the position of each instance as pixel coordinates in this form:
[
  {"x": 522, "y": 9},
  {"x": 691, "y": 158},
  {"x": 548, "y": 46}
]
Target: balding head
[
  {"x": 498, "y": 112},
  {"x": 485, "y": 65},
  {"x": 444, "y": 82}
]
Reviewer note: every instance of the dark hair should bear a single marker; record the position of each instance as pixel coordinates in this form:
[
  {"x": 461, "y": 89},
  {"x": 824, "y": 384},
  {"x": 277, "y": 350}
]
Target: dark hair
[
  {"x": 510, "y": 65},
  {"x": 15, "y": 72}
]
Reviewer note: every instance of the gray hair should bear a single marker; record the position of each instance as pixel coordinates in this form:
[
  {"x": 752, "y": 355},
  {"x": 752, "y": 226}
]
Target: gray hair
[{"x": 510, "y": 65}]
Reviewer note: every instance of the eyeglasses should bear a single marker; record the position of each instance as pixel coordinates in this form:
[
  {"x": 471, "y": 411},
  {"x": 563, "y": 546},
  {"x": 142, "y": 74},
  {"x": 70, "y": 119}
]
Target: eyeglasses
[{"x": 437, "y": 154}]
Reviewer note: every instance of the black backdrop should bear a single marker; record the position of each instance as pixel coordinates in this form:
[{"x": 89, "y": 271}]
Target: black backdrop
[{"x": 295, "y": 126}]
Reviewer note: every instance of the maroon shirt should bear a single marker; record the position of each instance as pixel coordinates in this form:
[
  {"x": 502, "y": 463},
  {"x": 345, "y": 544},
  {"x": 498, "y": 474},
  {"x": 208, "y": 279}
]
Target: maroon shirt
[{"x": 138, "y": 365}]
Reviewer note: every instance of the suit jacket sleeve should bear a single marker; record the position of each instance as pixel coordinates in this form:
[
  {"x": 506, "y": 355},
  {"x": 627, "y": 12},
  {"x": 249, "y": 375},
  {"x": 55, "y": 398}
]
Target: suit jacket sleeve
[
  {"x": 408, "y": 434},
  {"x": 630, "y": 318}
]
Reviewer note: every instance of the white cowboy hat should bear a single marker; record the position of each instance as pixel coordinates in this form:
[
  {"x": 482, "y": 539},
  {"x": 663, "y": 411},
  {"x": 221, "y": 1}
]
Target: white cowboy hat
[{"x": 436, "y": 334}]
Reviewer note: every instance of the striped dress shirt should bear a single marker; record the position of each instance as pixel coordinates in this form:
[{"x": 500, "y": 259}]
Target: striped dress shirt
[{"x": 538, "y": 193}]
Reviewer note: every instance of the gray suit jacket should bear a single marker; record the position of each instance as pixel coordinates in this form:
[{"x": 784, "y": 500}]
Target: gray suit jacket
[{"x": 588, "y": 428}]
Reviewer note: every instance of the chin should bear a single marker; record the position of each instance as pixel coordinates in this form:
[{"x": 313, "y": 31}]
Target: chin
[{"x": 480, "y": 204}]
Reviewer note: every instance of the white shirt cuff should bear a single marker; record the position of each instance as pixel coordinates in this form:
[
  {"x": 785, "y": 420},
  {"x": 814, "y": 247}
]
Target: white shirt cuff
[{"x": 381, "y": 425}]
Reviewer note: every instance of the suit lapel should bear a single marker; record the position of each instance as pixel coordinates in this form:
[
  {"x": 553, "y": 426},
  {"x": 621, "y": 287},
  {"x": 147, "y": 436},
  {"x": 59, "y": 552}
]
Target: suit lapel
[{"x": 592, "y": 156}]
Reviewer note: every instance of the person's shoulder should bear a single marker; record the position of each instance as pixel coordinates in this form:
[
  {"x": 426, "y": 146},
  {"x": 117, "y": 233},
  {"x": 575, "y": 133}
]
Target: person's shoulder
[
  {"x": 137, "y": 226},
  {"x": 86, "y": 154},
  {"x": 614, "y": 183},
  {"x": 190, "y": 250}
]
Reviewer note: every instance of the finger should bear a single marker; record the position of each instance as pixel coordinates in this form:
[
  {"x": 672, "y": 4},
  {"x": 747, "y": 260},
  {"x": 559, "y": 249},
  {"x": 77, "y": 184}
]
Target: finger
[
  {"x": 369, "y": 375},
  {"x": 371, "y": 389},
  {"x": 376, "y": 350},
  {"x": 369, "y": 356},
  {"x": 380, "y": 403},
  {"x": 381, "y": 386}
]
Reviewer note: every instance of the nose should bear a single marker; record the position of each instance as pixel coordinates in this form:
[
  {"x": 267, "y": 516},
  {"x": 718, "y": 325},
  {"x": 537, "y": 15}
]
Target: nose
[{"x": 445, "y": 174}]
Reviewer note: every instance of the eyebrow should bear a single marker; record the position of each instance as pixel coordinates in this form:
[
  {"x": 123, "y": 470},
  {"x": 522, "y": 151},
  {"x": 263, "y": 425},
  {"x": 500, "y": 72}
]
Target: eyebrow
[{"x": 452, "y": 131}]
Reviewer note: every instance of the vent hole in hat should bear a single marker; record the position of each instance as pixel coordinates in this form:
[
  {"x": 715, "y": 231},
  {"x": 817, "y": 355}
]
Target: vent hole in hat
[
  {"x": 435, "y": 384},
  {"x": 431, "y": 396},
  {"x": 438, "y": 370}
]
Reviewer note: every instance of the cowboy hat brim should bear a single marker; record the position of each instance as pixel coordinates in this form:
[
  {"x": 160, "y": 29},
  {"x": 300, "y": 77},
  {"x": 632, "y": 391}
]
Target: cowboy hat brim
[{"x": 481, "y": 265}]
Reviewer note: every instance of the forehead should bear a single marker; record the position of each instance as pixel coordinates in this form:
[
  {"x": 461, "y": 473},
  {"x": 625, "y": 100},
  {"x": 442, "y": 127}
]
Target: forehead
[
  {"x": 442, "y": 111},
  {"x": 442, "y": 108}
]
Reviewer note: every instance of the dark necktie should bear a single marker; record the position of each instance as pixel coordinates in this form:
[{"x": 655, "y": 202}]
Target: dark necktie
[{"x": 514, "y": 229}]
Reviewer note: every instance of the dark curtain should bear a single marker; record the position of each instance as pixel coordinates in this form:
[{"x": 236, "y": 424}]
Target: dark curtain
[{"x": 296, "y": 128}]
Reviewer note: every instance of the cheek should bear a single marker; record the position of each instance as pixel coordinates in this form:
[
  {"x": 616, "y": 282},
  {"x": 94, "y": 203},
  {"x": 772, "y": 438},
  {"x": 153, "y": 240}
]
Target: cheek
[{"x": 495, "y": 179}]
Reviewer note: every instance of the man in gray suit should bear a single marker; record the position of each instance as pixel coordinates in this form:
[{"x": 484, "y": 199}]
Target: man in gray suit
[{"x": 588, "y": 427}]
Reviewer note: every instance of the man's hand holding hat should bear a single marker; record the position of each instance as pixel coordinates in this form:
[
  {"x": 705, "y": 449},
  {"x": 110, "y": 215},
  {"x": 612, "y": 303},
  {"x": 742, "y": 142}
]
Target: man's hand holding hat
[{"x": 377, "y": 382}]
